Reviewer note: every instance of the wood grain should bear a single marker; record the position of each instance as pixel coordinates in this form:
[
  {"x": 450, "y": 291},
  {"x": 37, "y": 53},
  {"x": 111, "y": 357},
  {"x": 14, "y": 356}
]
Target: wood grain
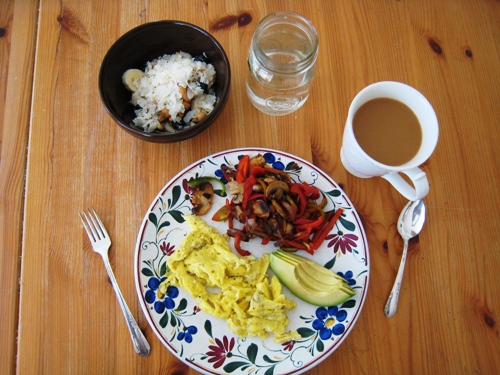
[
  {"x": 67, "y": 318},
  {"x": 17, "y": 51}
]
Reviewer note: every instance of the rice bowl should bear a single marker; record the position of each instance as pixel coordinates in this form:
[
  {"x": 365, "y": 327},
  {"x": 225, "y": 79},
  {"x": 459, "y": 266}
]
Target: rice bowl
[{"x": 146, "y": 43}]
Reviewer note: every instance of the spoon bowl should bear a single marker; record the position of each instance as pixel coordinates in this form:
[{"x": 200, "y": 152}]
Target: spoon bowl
[{"x": 410, "y": 223}]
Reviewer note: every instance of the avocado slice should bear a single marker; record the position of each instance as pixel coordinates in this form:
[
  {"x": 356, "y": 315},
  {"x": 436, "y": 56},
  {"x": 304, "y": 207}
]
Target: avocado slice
[{"x": 310, "y": 281}]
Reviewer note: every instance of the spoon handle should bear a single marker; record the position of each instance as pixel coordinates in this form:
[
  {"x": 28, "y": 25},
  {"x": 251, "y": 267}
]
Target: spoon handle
[{"x": 392, "y": 303}]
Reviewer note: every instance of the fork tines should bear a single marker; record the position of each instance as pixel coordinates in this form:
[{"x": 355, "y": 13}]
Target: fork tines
[{"x": 92, "y": 224}]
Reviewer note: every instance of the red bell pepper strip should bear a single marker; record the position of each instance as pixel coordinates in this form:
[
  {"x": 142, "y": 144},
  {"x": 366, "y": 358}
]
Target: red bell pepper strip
[
  {"x": 265, "y": 240},
  {"x": 247, "y": 190},
  {"x": 243, "y": 169},
  {"x": 237, "y": 246},
  {"x": 317, "y": 222},
  {"x": 297, "y": 190},
  {"x": 257, "y": 171},
  {"x": 302, "y": 223},
  {"x": 326, "y": 220},
  {"x": 274, "y": 170},
  {"x": 257, "y": 196},
  {"x": 321, "y": 235},
  {"x": 310, "y": 191},
  {"x": 230, "y": 220}
]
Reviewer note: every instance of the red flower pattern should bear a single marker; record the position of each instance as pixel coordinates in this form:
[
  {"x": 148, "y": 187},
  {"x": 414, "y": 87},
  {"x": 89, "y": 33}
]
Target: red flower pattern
[
  {"x": 342, "y": 242},
  {"x": 166, "y": 248},
  {"x": 288, "y": 345},
  {"x": 221, "y": 351}
]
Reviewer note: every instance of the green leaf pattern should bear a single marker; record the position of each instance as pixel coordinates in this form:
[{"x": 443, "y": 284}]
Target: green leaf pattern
[{"x": 249, "y": 361}]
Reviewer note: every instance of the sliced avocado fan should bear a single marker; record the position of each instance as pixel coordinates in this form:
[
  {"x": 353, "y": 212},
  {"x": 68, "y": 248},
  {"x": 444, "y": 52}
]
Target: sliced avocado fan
[{"x": 310, "y": 281}]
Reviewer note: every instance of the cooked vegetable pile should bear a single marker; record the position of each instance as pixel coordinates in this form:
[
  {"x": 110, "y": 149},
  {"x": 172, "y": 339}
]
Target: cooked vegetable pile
[{"x": 268, "y": 204}]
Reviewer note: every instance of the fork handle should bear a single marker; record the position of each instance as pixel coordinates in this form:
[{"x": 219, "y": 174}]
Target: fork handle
[{"x": 141, "y": 345}]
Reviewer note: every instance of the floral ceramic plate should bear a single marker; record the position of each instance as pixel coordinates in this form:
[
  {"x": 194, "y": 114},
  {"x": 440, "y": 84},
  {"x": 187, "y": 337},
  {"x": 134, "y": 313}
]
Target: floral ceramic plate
[{"x": 203, "y": 341}]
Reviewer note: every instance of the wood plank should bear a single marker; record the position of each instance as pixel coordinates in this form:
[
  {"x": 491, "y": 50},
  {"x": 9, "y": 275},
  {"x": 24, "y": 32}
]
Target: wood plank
[{"x": 17, "y": 50}]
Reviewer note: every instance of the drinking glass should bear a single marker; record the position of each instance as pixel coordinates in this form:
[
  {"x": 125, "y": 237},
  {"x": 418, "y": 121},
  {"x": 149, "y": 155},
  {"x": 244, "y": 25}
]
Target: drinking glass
[{"x": 281, "y": 61}]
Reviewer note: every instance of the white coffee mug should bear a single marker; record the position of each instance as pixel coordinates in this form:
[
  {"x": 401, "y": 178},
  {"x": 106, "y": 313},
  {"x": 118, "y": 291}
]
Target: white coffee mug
[{"x": 358, "y": 163}]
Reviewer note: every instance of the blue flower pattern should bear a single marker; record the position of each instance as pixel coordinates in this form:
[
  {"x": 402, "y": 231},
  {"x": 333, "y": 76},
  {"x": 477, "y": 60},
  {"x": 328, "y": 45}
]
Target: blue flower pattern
[
  {"x": 328, "y": 322},
  {"x": 153, "y": 284},
  {"x": 187, "y": 334},
  {"x": 271, "y": 159},
  {"x": 220, "y": 174},
  {"x": 348, "y": 276}
]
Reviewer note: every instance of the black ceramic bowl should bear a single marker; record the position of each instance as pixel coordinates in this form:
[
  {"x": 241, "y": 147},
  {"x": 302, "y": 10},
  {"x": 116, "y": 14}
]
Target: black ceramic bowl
[{"x": 148, "y": 42}]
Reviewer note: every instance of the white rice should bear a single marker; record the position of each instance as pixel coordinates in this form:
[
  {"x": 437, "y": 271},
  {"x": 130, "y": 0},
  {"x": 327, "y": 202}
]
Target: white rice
[{"x": 159, "y": 89}]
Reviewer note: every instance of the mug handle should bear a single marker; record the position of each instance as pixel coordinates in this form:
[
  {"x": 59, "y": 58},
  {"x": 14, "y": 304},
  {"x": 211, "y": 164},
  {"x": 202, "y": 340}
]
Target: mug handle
[{"x": 417, "y": 177}]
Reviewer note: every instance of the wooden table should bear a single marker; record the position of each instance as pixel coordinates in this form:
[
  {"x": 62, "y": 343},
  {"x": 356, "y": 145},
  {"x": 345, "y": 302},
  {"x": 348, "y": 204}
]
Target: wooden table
[{"x": 61, "y": 152}]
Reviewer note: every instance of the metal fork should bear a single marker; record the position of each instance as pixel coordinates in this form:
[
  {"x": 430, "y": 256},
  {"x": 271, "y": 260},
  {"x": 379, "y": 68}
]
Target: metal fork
[{"x": 101, "y": 242}]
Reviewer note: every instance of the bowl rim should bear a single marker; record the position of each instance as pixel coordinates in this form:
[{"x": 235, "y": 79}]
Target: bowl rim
[{"x": 185, "y": 133}]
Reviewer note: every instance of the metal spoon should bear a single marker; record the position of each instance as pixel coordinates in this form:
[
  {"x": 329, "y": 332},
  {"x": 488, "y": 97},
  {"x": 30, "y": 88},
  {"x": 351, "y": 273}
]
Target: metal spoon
[{"x": 410, "y": 223}]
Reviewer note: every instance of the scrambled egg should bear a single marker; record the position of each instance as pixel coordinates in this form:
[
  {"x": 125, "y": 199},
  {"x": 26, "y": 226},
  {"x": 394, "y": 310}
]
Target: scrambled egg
[{"x": 239, "y": 289}]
